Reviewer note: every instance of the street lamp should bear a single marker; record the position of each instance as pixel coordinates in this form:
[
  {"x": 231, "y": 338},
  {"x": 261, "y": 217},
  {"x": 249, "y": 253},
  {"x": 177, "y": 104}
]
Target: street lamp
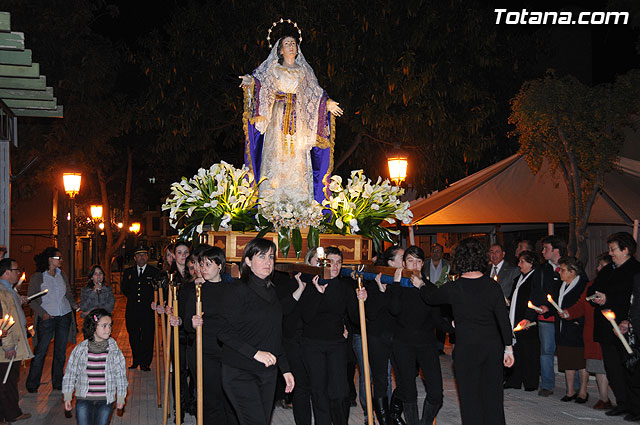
[
  {"x": 397, "y": 168},
  {"x": 72, "y": 187},
  {"x": 135, "y": 227},
  {"x": 96, "y": 215}
]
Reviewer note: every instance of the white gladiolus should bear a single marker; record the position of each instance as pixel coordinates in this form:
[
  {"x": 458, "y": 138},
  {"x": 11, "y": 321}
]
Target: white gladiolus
[
  {"x": 353, "y": 223},
  {"x": 339, "y": 224}
]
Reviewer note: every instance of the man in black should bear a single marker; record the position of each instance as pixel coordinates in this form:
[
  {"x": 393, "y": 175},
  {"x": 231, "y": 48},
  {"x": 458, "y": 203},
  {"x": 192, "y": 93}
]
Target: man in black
[
  {"x": 137, "y": 286},
  {"x": 501, "y": 270}
]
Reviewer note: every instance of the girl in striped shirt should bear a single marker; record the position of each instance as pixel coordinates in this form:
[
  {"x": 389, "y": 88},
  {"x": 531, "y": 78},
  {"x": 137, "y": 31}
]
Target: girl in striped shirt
[{"x": 96, "y": 371}]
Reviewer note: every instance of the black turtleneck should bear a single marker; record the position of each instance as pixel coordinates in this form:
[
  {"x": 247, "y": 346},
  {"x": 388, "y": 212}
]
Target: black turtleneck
[
  {"x": 211, "y": 298},
  {"x": 250, "y": 319}
]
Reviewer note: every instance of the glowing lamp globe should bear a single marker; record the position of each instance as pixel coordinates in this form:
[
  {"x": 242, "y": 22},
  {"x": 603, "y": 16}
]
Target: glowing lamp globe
[
  {"x": 397, "y": 169},
  {"x": 96, "y": 212},
  {"x": 72, "y": 183}
]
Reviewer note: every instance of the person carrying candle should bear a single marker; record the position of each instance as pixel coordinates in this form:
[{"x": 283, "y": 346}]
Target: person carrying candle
[
  {"x": 526, "y": 349},
  {"x": 54, "y": 317},
  {"x": 483, "y": 333},
  {"x": 96, "y": 371},
  {"x": 613, "y": 287},
  {"x": 634, "y": 323},
  {"x": 592, "y": 351},
  {"x": 570, "y": 345},
  {"x": 14, "y": 343}
]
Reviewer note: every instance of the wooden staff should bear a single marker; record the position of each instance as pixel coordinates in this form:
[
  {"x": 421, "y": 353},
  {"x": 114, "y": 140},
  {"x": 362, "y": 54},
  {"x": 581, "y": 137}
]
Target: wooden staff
[
  {"x": 156, "y": 339},
  {"x": 365, "y": 355},
  {"x": 167, "y": 361},
  {"x": 176, "y": 356},
  {"x": 199, "y": 379}
]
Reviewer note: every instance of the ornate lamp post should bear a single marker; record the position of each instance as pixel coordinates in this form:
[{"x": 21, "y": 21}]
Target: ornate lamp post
[
  {"x": 397, "y": 168},
  {"x": 96, "y": 215},
  {"x": 72, "y": 187}
]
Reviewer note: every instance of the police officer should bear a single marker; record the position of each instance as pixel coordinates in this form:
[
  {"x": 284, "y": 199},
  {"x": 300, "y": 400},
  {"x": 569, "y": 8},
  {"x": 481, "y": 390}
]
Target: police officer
[{"x": 137, "y": 286}]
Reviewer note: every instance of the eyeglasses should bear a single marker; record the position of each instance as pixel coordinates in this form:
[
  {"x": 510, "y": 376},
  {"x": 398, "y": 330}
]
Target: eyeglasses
[
  {"x": 14, "y": 270},
  {"x": 57, "y": 257}
]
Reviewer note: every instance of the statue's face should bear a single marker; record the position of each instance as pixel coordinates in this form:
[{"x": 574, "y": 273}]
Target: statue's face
[{"x": 289, "y": 48}]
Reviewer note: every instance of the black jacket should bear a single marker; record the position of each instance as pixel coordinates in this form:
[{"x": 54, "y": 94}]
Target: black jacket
[
  {"x": 569, "y": 332},
  {"x": 249, "y": 320},
  {"x": 521, "y": 304},
  {"x": 139, "y": 289},
  {"x": 616, "y": 283}
]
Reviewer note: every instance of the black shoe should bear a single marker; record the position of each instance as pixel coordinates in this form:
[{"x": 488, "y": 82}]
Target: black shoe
[
  {"x": 544, "y": 392},
  {"x": 395, "y": 410},
  {"x": 616, "y": 411},
  {"x": 581, "y": 400},
  {"x": 506, "y": 387},
  {"x": 632, "y": 417},
  {"x": 133, "y": 366},
  {"x": 145, "y": 368},
  {"x": 569, "y": 397},
  {"x": 32, "y": 390}
]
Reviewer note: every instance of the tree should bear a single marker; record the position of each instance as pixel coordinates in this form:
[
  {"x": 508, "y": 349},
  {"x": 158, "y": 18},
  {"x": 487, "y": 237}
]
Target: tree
[{"x": 578, "y": 130}]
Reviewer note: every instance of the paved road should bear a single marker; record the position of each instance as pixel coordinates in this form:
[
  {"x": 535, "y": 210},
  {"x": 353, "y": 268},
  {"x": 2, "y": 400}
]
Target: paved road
[{"x": 520, "y": 407}]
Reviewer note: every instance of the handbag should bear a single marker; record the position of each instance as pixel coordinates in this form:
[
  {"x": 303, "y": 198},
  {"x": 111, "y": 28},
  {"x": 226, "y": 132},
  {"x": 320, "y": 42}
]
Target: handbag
[{"x": 631, "y": 360}]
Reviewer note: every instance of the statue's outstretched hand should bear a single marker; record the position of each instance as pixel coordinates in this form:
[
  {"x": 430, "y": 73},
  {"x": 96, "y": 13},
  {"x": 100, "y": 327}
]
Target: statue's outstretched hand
[
  {"x": 246, "y": 80},
  {"x": 332, "y": 106}
]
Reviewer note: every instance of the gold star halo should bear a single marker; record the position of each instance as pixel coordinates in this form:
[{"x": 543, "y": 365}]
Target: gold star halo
[{"x": 281, "y": 21}]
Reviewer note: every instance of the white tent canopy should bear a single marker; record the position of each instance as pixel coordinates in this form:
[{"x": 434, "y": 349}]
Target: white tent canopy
[{"x": 509, "y": 192}]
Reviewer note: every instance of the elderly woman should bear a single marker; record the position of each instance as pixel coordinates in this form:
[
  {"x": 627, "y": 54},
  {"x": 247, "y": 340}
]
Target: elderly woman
[
  {"x": 613, "y": 287},
  {"x": 250, "y": 329},
  {"x": 96, "y": 294},
  {"x": 288, "y": 125},
  {"x": 54, "y": 317},
  {"x": 569, "y": 343},
  {"x": 483, "y": 333},
  {"x": 526, "y": 349},
  {"x": 592, "y": 351}
]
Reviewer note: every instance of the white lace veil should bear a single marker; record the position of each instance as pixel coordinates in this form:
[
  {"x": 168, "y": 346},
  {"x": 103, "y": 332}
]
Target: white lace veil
[{"x": 308, "y": 95}]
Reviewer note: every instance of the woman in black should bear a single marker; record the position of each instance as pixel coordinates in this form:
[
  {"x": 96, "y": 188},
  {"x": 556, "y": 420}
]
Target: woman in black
[
  {"x": 212, "y": 262},
  {"x": 414, "y": 342},
  {"x": 483, "y": 333},
  {"x": 249, "y": 325},
  {"x": 325, "y": 307},
  {"x": 526, "y": 349},
  {"x": 614, "y": 285}
]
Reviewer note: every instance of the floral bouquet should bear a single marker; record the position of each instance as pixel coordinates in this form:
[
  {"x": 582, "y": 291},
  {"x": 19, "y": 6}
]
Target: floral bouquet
[
  {"x": 361, "y": 206},
  {"x": 222, "y": 196},
  {"x": 286, "y": 217}
]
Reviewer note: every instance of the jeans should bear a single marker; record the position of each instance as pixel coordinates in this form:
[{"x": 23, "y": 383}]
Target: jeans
[
  {"x": 547, "y": 334},
  {"x": 93, "y": 412},
  {"x": 56, "y": 328}
]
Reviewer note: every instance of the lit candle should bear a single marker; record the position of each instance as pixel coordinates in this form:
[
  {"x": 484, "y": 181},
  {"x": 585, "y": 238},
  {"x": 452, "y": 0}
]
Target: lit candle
[
  {"x": 4, "y": 323},
  {"x": 524, "y": 328},
  {"x": 553, "y": 303},
  {"x": 495, "y": 277},
  {"x": 22, "y": 278},
  {"x": 611, "y": 317},
  {"x": 536, "y": 308},
  {"x": 39, "y": 294}
]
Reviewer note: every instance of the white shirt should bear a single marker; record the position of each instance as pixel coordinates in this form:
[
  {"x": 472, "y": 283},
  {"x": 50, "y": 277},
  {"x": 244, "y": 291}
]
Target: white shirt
[
  {"x": 435, "y": 272},
  {"x": 140, "y": 270},
  {"x": 54, "y": 302},
  {"x": 495, "y": 269}
]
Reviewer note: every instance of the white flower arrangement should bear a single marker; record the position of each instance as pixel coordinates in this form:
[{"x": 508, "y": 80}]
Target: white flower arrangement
[
  {"x": 284, "y": 212},
  {"x": 222, "y": 196},
  {"x": 361, "y": 206}
]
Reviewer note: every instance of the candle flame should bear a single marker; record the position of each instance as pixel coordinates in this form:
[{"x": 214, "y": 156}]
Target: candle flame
[
  {"x": 495, "y": 277},
  {"x": 530, "y": 304},
  {"x": 518, "y": 328},
  {"x": 609, "y": 314},
  {"x": 30, "y": 328},
  {"x": 0, "y": 332},
  {"x": 6, "y": 317}
]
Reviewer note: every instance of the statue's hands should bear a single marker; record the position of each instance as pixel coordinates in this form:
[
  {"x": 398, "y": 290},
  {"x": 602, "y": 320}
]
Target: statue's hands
[
  {"x": 332, "y": 106},
  {"x": 246, "y": 80}
]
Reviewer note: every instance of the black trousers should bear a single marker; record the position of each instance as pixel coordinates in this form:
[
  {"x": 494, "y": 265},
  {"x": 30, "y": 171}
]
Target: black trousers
[
  {"x": 380, "y": 349},
  {"x": 326, "y": 363},
  {"x": 251, "y": 393},
  {"x": 426, "y": 356},
  {"x": 213, "y": 395},
  {"x": 526, "y": 369},
  {"x": 613, "y": 356},
  {"x": 9, "y": 398},
  {"x": 301, "y": 399},
  {"x": 478, "y": 371},
  {"x": 141, "y": 331}
]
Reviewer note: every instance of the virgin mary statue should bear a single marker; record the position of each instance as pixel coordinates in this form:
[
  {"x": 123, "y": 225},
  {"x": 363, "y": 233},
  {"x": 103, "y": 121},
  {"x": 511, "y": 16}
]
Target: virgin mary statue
[{"x": 289, "y": 125}]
